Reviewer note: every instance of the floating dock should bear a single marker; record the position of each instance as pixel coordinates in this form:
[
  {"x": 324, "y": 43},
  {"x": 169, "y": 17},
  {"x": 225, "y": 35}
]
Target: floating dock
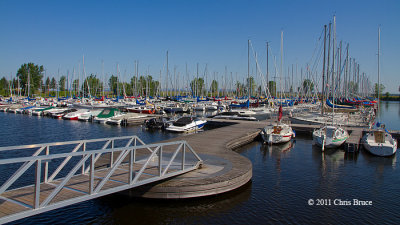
[{"x": 222, "y": 170}]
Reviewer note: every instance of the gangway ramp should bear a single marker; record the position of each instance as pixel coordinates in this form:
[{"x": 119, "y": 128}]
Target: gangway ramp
[{"x": 42, "y": 177}]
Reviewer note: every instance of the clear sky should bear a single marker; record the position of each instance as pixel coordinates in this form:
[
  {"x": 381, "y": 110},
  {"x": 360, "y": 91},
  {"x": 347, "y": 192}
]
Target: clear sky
[{"x": 56, "y": 34}]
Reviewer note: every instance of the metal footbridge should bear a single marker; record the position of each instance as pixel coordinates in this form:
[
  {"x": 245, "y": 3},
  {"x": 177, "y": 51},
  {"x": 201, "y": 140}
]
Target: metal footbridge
[{"x": 42, "y": 177}]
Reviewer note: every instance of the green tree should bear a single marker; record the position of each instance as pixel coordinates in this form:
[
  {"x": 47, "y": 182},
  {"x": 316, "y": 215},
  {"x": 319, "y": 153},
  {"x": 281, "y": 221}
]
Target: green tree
[
  {"x": 112, "y": 83},
  {"x": 75, "y": 86},
  {"x": 387, "y": 94},
  {"x": 353, "y": 87},
  {"x": 381, "y": 89},
  {"x": 95, "y": 86},
  {"x": 47, "y": 84},
  {"x": 4, "y": 87},
  {"x": 272, "y": 88},
  {"x": 197, "y": 86},
  {"x": 35, "y": 76},
  {"x": 239, "y": 89},
  {"x": 250, "y": 83},
  {"x": 308, "y": 86},
  {"x": 53, "y": 83},
  {"x": 62, "y": 83},
  {"x": 214, "y": 87}
]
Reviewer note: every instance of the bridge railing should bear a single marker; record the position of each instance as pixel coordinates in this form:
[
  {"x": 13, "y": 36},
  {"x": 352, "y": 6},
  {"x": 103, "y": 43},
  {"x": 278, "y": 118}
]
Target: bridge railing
[{"x": 97, "y": 167}]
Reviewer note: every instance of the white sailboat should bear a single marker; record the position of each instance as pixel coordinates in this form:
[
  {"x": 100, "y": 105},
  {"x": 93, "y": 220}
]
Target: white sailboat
[
  {"x": 330, "y": 136},
  {"x": 279, "y": 133},
  {"x": 379, "y": 142}
]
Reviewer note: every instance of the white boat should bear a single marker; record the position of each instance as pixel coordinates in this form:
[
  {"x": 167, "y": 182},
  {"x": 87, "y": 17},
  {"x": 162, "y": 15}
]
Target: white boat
[
  {"x": 379, "y": 143},
  {"x": 277, "y": 134},
  {"x": 175, "y": 108},
  {"x": 107, "y": 114},
  {"x": 234, "y": 115},
  {"x": 186, "y": 124},
  {"x": 86, "y": 116},
  {"x": 199, "y": 107},
  {"x": 330, "y": 137},
  {"x": 74, "y": 115},
  {"x": 212, "y": 106},
  {"x": 117, "y": 120}
]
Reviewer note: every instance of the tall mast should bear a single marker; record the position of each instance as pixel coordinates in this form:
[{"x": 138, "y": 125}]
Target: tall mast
[
  {"x": 267, "y": 66},
  {"x": 102, "y": 73},
  {"x": 248, "y": 68},
  {"x": 323, "y": 74},
  {"x": 167, "y": 80},
  {"x": 29, "y": 80},
  {"x": 280, "y": 75},
  {"x": 333, "y": 67},
  {"x": 379, "y": 84},
  {"x": 329, "y": 53}
]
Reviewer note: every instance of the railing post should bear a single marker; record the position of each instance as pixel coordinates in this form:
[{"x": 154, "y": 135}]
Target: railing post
[
  {"x": 83, "y": 165},
  {"x": 37, "y": 184},
  {"x": 183, "y": 156},
  {"x": 160, "y": 161},
  {"x": 112, "y": 153},
  {"x": 131, "y": 161},
  {"x": 91, "y": 176},
  {"x": 46, "y": 165}
]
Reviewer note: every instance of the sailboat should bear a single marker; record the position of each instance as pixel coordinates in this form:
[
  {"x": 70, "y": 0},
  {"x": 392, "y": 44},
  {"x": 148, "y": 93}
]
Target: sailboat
[
  {"x": 279, "y": 133},
  {"x": 379, "y": 142},
  {"x": 330, "y": 136}
]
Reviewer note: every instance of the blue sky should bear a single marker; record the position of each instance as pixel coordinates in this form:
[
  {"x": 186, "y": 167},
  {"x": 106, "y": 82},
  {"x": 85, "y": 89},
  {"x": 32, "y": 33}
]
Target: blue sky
[{"x": 56, "y": 34}]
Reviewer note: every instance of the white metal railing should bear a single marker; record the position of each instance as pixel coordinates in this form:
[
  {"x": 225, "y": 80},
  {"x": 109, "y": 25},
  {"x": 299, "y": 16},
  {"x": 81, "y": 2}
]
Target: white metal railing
[{"x": 81, "y": 161}]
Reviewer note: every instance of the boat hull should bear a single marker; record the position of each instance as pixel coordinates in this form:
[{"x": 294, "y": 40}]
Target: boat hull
[{"x": 387, "y": 148}]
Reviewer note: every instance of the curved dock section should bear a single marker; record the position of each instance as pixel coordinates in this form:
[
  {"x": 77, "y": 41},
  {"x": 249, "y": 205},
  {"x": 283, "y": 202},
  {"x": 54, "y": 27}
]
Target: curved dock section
[{"x": 223, "y": 169}]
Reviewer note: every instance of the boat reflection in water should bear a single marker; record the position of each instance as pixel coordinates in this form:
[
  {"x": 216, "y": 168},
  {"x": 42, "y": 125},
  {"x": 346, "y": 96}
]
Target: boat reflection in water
[{"x": 277, "y": 152}]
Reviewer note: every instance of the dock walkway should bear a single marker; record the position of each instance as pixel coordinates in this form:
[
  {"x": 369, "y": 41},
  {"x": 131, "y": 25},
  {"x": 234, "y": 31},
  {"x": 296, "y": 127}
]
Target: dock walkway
[{"x": 222, "y": 170}]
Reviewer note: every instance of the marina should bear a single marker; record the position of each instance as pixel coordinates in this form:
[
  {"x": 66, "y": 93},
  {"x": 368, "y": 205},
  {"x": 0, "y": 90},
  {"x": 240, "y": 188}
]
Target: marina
[
  {"x": 216, "y": 161},
  {"x": 199, "y": 113}
]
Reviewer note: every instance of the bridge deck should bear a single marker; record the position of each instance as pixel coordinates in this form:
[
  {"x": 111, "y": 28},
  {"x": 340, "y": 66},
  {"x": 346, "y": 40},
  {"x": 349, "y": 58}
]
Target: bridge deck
[
  {"x": 86, "y": 177},
  {"x": 22, "y": 199}
]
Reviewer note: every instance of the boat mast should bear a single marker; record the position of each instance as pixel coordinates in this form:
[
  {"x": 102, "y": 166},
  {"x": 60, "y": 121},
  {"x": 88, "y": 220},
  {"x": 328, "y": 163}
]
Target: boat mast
[
  {"x": 166, "y": 80},
  {"x": 267, "y": 69},
  {"x": 333, "y": 68},
  {"x": 29, "y": 80},
  {"x": 379, "y": 85},
  {"x": 323, "y": 74},
  {"x": 248, "y": 72},
  {"x": 280, "y": 74},
  {"x": 102, "y": 73}
]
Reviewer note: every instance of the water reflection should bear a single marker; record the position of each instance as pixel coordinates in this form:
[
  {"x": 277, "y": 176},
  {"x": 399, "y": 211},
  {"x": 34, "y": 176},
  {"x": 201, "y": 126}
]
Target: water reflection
[
  {"x": 150, "y": 211},
  {"x": 276, "y": 151},
  {"x": 380, "y": 162}
]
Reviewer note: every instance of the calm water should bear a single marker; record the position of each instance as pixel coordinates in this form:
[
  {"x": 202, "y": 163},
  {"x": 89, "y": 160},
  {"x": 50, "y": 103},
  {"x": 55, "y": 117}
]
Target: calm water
[{"x": 284, "y": 179}]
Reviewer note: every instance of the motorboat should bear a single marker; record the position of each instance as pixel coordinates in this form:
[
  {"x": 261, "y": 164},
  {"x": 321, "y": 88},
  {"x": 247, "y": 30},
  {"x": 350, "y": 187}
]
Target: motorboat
[
  {"x": 158, "y": 123},
  {"x": 234, "y": 115},
  {"x": 107, "y": 114},
  {"x": 87, "y": 116},
  {"x": 187, "y": 124},
  {"x": 74, "y": 115},
  {"x": 379, "y": 142}
]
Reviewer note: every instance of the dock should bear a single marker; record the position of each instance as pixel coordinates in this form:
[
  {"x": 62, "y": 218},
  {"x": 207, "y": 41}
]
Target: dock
[{"x": 222, "y": 169}]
